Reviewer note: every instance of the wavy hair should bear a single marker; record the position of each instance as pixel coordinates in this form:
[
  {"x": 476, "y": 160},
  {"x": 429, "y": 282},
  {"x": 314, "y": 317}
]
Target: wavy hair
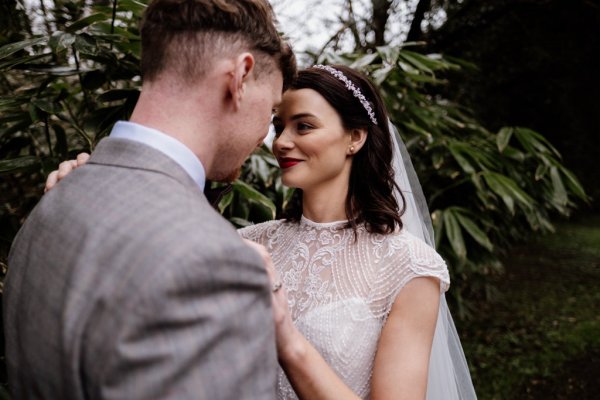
[{"x": 370, "y": 198}]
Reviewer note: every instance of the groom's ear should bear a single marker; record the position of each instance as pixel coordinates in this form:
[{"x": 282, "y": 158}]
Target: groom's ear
[{"x": 242, "y": 69}]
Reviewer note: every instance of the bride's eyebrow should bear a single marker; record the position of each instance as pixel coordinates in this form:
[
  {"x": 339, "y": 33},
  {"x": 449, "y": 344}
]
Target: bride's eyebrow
[{"x": 302, "y": 115}]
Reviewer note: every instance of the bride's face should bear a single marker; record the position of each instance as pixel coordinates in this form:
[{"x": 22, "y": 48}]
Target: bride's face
[{"x": 311, "y": 144}]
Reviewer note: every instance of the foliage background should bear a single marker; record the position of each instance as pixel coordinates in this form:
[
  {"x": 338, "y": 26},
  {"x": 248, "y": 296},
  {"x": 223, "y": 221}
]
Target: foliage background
[{"x": 69, "y": 76}]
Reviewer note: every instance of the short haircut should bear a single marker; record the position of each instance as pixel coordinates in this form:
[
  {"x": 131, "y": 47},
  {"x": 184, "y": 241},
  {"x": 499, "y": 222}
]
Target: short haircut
[{"x": 184, "y": 36}]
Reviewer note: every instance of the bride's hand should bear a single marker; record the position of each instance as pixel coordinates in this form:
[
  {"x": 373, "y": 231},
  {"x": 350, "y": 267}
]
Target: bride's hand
[
  {"x": 285, "y": 330},
  {"x": 64, "y": 169}
]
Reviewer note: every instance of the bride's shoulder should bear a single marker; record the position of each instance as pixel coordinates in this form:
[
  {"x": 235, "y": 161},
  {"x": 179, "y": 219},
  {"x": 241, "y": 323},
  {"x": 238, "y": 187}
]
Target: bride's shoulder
[
  {"x": 258, "y": 231},
  {"x": 421, "y": 259}
]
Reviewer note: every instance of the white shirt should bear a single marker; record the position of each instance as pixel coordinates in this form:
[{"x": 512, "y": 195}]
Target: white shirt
[{"x": 164, "y": 143}]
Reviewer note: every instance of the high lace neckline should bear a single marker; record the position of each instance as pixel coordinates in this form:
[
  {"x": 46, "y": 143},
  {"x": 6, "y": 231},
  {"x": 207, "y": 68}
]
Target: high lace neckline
[{"x": 333, "y": 224}]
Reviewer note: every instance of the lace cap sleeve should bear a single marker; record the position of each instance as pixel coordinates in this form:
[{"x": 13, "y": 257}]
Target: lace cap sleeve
[{"x": 425, "y": 261}]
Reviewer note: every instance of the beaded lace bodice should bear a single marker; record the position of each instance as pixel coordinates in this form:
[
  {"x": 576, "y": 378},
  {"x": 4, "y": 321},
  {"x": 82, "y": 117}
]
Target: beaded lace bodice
[{"x": 340, "y": 290}]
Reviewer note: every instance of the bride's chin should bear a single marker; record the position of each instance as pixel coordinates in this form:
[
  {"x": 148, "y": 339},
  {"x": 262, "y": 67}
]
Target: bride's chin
[{"x": 291, "y": 183}]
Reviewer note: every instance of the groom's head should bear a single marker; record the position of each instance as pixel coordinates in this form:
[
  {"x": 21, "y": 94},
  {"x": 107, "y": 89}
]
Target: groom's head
[
  {"x": 233, "y": 51},
  {"x": 186, "y": 36}
]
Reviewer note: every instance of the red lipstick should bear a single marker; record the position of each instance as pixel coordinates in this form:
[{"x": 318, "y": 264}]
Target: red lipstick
[{"x": 285, "y": 163}]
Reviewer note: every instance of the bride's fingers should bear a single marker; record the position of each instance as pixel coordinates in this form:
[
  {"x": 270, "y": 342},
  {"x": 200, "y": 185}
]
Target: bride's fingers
[
  {"x": 65, "y": 167},
  {"x": 51, "y": 180},
  {"x": 82, "y": 158}
]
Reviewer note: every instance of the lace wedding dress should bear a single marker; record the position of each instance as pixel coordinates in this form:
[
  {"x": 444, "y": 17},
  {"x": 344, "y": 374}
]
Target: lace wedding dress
[{"x": 341, "y": 290}]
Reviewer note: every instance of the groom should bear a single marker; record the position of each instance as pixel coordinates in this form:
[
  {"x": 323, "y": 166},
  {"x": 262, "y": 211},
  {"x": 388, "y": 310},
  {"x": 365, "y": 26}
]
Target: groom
[{"x": 124, "y": 283}]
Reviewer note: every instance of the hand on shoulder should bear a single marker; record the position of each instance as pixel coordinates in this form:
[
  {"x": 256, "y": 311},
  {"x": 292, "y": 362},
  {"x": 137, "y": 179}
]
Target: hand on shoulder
[{"x": 64, "y": 169}]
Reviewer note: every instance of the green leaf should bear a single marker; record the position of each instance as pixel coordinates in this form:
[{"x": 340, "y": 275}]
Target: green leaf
[
  {"x": 540, "y": 171},
  {"x": 12, "y": 48},
  {"x": 60, "y": 41},
  {"x": 225, "y": 202},
  {"x": 17, "y": 127},
  {"x": 87, "y": 21},
  {"x": 381, "y": 74},
  {"x": 534, "y": 142},
  {"x": 61, "y": 70},
  {"x": 389, "y": 54},
  {"x": 508, "y": 190},
  {"x": 11, "y": 63},
  {"x": 364, "y": 61},
  {"x": 35, "y": 113},
  {"x": 503, "y": 138},
  {"x": 559, "y": 193},
  {"x": 471, "y": 227},
  {"x": 513, "y": 153},
  {"x": 86, "y": 44},
  {"x": 573, "y": 183},
  {"x": 19, "y": 164},
  {"x": 418, "y": 61},
  {"x": 137, "y": 7},
  {"x": 463, "y": 162},
  {"x": 45, "y": 105},
  {"x": 454, "y": 234},
  {"x": 240, "y": 222},
  {"x": 248, "y": 193}
]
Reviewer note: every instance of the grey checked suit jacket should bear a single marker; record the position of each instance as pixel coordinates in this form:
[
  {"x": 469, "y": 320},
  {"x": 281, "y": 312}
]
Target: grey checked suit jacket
[{"x": 124, "y": 283}]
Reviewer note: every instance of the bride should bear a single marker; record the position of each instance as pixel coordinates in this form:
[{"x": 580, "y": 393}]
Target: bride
[
  {"x": 358, "y": 293},
  {"x": 358, "y": 290}
]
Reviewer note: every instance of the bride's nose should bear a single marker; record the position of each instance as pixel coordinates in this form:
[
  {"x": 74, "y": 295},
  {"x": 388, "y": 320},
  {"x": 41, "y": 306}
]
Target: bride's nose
[{"x": 284, "y": 141}]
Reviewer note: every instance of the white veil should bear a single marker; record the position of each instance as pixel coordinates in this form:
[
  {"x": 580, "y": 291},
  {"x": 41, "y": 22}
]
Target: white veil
[{"x": 449, "y": 377}]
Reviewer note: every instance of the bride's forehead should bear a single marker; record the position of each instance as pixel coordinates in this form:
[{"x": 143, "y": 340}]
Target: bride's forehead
[{"x": 305, "y": 99}]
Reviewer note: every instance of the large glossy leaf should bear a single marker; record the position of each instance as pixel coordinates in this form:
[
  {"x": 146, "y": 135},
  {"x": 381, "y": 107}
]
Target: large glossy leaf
[
  {"x": 389, "y": 54},
  {"x": 474, "y": 231},
  {"x": 503, "y": 138},
  {"x": 417, "y": 61},
  {"x": 251, "y": 194},
  {"x": 454, "y": 234},
  {"x": 22, "y": 62},
  {"x": 225, "y": 202},
  {"x": 12, "y": 48},
  {"x": 87, "y": 21},
  {"x": 573, "y": 183},
  {"x": 506, "y": 188},
  {"x": 365, "y": 60},
  {"x": 457, "y": 152},
  {"x": 60, "y": 41},
  {"x": 559, "y": 193},
  {"x": 19, "y": 164},
  {"x": 534, "y": 142},
  {"x": 86, "y": 44}
]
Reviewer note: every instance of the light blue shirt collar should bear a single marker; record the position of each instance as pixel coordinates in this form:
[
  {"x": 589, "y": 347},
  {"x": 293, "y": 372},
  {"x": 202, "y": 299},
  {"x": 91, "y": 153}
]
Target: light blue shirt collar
[{"x": 166, "y": 144}]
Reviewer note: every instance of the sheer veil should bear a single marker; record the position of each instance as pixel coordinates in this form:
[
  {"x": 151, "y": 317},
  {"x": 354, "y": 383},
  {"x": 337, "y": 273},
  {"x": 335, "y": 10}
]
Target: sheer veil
[{"x": 449, "y": 377}]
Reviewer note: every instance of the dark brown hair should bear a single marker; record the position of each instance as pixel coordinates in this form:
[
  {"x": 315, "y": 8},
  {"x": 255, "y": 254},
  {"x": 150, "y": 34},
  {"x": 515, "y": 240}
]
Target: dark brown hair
[
  {"x": 371, "y": 187},
  {"x": 186, "y": 35}
]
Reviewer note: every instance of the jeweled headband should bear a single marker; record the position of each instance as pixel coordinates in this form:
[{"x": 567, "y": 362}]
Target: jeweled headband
[{"x": 350, "y": 86}]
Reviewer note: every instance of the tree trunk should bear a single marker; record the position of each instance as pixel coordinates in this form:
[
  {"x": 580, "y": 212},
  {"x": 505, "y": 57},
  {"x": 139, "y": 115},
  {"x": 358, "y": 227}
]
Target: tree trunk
[
  {"x": 415, "y": 33},
  {"x": 381, "y": 13}
]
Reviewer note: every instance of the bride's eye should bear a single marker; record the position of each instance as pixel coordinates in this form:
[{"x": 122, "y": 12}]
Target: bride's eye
[{"x": 303, "y": 126}]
